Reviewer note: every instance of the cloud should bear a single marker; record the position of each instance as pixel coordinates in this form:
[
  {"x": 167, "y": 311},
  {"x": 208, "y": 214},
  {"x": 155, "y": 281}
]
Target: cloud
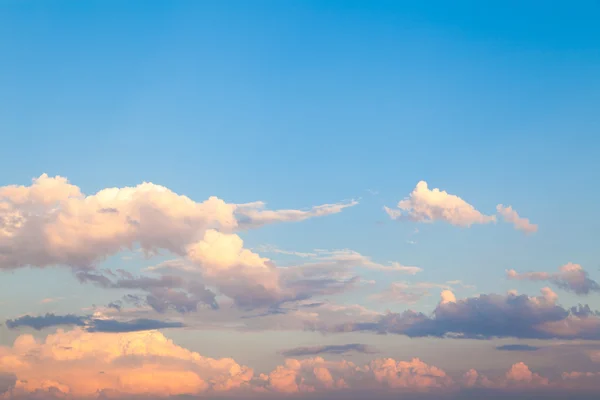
[
  {"x": 517, "y": 347},
  {"x": 142, "y": 324},
  {"x": 253, "y": 215},
  {"x": 328, "y": 349},
  {"x": 163, "y": 293},
  {"x": 407, "y": 293},
  {"x": 345, "y": 258},
  {"x": 51, "y": 222},
  {"x": 426, "y": 205},
  {"x": 80, "y": 364},
  {"x": 431, "y": 205},
  {"x": 90, "y": 323},
  {"x": 45, "y": 321},
  {"x": 489, "y": 316},
  {"x": 7, "y": 382},
  {"x": 570, "y": 277},
  {"x": 318, "y": 375},
  {"x": 253, "y": 281},
  {"x": 83, "y": 364},
  {"x": 520, "y": 374},
  {"x": 511, "y": 216}
]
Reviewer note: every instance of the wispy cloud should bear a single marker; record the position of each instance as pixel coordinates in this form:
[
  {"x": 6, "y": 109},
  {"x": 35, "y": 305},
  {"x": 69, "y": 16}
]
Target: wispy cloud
[
  {"x": 329, "y": 349},
  {"x": 570, "y": 277}
]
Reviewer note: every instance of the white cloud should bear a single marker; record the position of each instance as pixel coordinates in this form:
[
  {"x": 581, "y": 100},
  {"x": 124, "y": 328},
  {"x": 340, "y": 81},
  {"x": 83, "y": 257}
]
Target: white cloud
[
  {"x": 53, "y": 222},
  {"x": 430, "y": 205}
]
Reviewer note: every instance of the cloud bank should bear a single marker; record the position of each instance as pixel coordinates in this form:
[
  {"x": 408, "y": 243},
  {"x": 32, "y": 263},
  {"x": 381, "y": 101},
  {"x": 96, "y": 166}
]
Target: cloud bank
[{"x": 80, "y": 364}]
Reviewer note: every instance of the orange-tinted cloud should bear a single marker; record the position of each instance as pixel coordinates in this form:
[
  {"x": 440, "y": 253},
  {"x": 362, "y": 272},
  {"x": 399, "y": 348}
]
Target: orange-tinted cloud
[{"x": 80, "y": 364}]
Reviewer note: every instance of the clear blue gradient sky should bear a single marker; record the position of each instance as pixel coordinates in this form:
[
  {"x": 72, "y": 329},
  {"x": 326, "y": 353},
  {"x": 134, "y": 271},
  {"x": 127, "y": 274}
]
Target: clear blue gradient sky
[{"x": 301, "y": 103}]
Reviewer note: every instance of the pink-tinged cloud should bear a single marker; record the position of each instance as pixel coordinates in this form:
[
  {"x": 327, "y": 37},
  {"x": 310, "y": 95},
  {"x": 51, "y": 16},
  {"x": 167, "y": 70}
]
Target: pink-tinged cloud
[
  {"x": 79, "y": 364},
  {"x": 319, "y": 375},
  {"x": 83, "y": 364},
  {"x": 570, "y": 277},
  {"x": 53, "y": 222},
  {"x": 511, "y": 216},
  {"x": 431, "y": 205}
]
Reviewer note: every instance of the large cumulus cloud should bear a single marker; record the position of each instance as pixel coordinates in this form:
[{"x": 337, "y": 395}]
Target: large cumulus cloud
[{"x": 51, "y": 222}]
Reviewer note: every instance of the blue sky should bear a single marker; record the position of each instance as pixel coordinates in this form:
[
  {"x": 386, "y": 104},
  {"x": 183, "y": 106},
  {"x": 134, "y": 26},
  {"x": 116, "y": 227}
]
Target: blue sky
[{"x": 317, "y": 102}]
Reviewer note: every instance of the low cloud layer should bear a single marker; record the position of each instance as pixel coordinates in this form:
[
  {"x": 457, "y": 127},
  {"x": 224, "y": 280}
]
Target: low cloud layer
[
  {"x": 570, "y": 277},
  {"x": 80, "y": 364}
]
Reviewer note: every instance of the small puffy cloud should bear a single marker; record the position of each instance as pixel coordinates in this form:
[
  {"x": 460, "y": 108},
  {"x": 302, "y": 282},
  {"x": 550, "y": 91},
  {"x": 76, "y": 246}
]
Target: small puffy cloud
[
  {"x": 90, "y": 323},
  {"x": 570, "y": 277},
  {"x": 447, "y": 297},
  {"x": 511, "y": 216},
  {"x": 328, "y": 349},
  {"x": 521, "y": 375},
  {"x": 430, "y": 205}
]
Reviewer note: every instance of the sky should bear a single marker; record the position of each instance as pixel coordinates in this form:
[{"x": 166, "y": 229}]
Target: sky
[{"x": 305, "y": 199}]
